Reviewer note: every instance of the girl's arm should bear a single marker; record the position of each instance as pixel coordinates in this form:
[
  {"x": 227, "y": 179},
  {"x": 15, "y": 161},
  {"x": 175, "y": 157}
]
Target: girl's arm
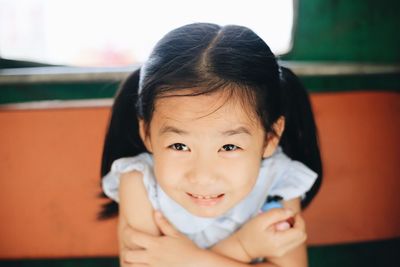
[
  {"x": 137, "y": 225},
  {"x": 296, "y": 250},
  {"x": 135, "y": 210},
  {"x": 171, "y": 249},
  {"x": 140, "y": 238}
]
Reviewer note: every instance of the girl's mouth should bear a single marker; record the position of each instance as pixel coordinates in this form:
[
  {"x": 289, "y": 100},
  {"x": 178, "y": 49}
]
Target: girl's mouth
[{"x": 206, "y": 200}]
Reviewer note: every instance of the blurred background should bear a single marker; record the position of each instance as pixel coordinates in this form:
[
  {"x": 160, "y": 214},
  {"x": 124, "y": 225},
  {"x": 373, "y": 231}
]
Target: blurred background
[
  {"x": 61, "y": 63},
  {"x": 123, "y": 32}
]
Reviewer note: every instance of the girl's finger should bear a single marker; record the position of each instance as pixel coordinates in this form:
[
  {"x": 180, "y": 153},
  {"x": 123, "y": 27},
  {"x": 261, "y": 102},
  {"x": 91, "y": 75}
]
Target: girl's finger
[
  {"x": 164, "y": 225},
  {"x": 122, "y": 263},
  {"x": 274, "y": 216},
  {"x": 127, "y": 264},
  {"x": 139, "y": 256},
  {"x": 299, "y": 223},
  {"x": 295, "y": 222},
  {"x": 282, "y": 226},
  {"x": 133, "y": 239},
  {"x": 291, "y": 237}
]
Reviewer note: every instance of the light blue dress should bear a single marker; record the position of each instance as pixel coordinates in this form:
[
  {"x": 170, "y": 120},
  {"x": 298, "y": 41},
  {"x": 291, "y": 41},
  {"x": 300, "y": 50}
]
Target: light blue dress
[{"x": 279, "y": 175}]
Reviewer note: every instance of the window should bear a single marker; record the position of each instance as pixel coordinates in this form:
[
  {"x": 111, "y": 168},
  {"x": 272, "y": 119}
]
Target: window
[{"x": 123, "y": 32}]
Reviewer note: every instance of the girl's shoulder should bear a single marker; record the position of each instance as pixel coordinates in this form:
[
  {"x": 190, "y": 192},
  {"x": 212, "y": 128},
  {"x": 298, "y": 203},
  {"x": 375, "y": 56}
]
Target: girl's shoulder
[
  {"x": 291, "y": 178},
  {"x": 140, "y": 166},
  {"x": 282, "y": 162},
  {"x": 127, "y": 164}
]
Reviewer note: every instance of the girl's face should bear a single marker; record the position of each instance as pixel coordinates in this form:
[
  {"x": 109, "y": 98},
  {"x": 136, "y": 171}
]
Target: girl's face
[{"x": 207, "y": 151}]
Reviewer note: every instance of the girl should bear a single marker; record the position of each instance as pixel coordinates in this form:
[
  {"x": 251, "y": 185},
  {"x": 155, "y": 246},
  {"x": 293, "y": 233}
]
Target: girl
[{"x": 199, "y": 137}]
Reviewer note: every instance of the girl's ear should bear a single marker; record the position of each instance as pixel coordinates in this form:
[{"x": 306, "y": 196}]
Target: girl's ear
[
  {"x": 273, "y": 139},
  {"x": 144, "y": 136}
]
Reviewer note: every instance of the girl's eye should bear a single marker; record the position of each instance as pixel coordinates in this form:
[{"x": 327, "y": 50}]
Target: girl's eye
[
  {"x": 179, "y": 147},
  {"x": 230, "y": 147}
]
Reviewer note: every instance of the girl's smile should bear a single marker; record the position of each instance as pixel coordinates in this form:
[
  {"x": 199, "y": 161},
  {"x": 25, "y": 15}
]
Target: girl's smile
[{"x": 206, "y": 200}]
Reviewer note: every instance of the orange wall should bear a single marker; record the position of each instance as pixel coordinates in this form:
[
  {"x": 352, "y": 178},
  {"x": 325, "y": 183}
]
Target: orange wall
[{"x": 50, "y": 161}]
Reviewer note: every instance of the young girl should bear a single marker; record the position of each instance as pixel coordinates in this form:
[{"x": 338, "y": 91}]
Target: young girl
[{"x": 199, "y": 137}]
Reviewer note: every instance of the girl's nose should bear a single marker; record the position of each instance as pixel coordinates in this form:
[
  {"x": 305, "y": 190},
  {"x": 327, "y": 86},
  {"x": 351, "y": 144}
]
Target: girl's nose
[{"x": 201, "y": 171}]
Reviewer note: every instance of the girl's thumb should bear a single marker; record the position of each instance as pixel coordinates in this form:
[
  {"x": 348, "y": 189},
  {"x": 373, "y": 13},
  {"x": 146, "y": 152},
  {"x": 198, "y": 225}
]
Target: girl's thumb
[{"x": 164, "y": 226}]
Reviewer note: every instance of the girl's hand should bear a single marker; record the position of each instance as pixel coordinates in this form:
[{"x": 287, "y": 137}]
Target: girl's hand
[
  {"x": 170, "y": 249},
  {"x": 268, "y": 235}
]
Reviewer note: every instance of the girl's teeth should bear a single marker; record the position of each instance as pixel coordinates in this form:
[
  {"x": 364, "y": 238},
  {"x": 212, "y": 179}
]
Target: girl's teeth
[{"x": 205, "y": 197}]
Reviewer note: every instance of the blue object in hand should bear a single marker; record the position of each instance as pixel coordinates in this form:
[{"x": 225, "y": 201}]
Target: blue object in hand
[{"x": 271, "y": 205}]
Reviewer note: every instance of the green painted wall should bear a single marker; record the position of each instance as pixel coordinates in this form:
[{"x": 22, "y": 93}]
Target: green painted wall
[
  {"x": 7, "y": 63},
  {"x": 347, "y": 30},
  {"x": 13, "y": 93}
]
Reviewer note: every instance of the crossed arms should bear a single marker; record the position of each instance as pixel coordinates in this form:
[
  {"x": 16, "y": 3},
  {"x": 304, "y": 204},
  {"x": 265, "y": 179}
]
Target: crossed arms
[{"x": 146, "y": 238}]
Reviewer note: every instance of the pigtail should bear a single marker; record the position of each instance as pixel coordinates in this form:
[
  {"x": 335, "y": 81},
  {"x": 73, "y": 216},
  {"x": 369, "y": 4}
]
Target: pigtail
[
  {"x": 122, "y": 136},
  {"x": 299, "y": 140}
]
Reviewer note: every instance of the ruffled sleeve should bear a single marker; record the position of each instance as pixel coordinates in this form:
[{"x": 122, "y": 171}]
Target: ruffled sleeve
[
  {"x": 142, "y": 163},
  {"x": 293, "y": 179}
]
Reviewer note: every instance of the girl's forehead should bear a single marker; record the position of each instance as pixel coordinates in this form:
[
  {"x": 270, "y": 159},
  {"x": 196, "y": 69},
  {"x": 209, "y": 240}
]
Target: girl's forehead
[{"x": 208, "y": 108}]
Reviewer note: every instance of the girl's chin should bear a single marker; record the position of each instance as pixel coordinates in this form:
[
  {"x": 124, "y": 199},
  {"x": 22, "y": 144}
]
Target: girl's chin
[
  {"x": 213, "y": 212},
  {"x": 206, "y": 213}
]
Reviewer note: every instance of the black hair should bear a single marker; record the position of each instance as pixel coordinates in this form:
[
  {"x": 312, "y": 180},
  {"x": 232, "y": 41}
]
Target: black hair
[
  {"x": 300, "y": 138},
  {"x": 205, "y": 58}
]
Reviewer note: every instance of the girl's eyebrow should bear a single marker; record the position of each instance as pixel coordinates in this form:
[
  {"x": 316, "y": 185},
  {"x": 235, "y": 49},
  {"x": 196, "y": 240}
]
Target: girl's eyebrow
[
  {"x": 171, "y": 129},
  {"x": 239, "y": 130}
]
